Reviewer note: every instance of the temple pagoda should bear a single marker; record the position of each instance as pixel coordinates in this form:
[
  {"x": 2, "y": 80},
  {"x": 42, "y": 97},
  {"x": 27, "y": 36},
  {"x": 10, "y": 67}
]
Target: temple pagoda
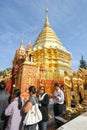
[
  {"x": 44, "y": 63},
  {"x": 50, "y": 55}
]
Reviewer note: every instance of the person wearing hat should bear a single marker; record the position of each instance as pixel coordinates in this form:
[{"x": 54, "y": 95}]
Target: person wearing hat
[{"x": 58, "y": 100}]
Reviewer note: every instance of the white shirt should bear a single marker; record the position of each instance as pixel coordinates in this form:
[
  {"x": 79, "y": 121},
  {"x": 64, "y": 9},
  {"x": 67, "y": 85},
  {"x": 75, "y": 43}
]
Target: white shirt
[{"x": 60, "y": 96}]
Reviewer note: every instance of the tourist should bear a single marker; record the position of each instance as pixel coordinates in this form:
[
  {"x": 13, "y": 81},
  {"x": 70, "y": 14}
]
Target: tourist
[
  {"x": 43, "y": 105},
  {"x": 4, "y": 100},
  {"x": 14, "y": 111},
  {"x": 58, "y": 100},
  {"x": 28, "y": 106}
]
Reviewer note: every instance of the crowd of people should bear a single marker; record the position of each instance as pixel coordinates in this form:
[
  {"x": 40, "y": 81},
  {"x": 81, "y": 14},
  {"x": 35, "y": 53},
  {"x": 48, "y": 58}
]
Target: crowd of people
[{"x": 13, "y": 109}]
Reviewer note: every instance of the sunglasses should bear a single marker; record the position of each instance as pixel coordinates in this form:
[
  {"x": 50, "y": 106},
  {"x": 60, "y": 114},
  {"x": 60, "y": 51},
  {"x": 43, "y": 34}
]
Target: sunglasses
[{"x": 42, "y": 89}]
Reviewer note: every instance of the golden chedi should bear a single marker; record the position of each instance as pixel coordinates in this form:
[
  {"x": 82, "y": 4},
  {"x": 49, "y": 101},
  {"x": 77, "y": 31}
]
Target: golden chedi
[
  {"x": 49, "y": 52},
  {"x": 44, "y": 63}
]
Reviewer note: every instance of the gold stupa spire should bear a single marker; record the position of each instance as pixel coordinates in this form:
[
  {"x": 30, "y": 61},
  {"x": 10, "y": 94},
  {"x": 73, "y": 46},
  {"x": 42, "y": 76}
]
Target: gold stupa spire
[
  {"x": 46, "y": 12},
  {"x": 22, "y": 45},
  {"x": 29, "y": 47},
  {"x": 47, "y": 24},
  {"x": 47, "y": 35}
]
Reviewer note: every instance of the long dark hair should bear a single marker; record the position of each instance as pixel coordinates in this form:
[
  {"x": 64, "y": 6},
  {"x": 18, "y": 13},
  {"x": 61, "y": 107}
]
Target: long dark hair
[
  {"x": 42, "y": 87},
  {"x": 32, "y": 89},
  {"x": 17, "y": 94}
]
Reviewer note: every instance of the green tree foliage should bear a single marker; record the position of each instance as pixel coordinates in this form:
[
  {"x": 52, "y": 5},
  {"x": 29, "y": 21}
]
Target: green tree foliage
[
  {"x": 3, "y": 72},
  {"x": 83, "y": 63}
]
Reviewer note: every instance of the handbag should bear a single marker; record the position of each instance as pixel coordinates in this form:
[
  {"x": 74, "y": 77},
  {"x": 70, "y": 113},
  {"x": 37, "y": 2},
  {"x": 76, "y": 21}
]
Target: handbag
[
  {"x": 33, "y": 116},
  {"x": 49, "y": 117}
]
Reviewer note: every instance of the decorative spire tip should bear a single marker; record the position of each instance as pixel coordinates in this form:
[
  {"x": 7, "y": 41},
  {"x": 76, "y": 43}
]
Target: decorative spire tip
[{"x": 46, "y": 12}]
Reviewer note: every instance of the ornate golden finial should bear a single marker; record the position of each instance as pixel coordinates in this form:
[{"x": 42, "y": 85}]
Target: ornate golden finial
[
  {"x": 47, "y": 24},
  {"x": 22, "y": 45},
  {"x": 22, "y": 41},
  {"x": 29, "y": 47},
  {"x": 46, "y": 12}
]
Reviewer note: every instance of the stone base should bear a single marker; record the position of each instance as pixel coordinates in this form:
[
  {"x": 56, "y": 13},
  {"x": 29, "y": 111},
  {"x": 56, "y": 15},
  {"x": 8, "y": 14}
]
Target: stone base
[{"x": 79, "y": 123}]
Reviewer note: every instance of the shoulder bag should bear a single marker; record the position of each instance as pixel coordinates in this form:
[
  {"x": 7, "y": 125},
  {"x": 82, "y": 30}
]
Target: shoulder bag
[{"x": 33, "y": 116}]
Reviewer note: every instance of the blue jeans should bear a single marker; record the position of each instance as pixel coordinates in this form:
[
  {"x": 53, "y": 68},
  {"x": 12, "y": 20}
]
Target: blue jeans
[
  {"x": 43, "y": 125},
  {"x": 30, "y": 127}
]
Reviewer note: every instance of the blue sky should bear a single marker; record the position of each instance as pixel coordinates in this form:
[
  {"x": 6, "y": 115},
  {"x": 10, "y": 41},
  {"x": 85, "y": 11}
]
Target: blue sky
[{"x": 24, "y": 19}]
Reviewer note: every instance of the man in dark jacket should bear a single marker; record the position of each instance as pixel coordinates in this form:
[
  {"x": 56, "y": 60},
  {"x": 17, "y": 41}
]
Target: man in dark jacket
[{"x": 4, "y": 100}]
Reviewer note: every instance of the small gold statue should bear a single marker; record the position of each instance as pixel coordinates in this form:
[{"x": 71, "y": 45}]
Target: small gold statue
[
  {"x": 80, "y": 84},
  {"x": 75, "y": 87},
  {"x": 67, "y": 90}
]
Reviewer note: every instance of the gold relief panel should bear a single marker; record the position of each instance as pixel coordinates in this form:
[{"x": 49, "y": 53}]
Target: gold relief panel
[{"x": 30, "y": 80}]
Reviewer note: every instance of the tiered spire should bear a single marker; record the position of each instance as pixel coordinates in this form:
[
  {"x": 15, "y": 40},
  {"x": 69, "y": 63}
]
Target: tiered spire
[
  {"x": 47, "y": 24},
  {"x": 29, "y": 47},
  {"x": 46, "y": 12},
  {"x": 22, "y": 45},
  {"x": 47, "y": 35}
]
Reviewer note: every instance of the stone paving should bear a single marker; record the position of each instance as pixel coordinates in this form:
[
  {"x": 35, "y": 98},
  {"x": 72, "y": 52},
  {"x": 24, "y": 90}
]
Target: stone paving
[
  {"x": 51, "y": 123},
  {"x": 52, "y": 127},
  {"x": 78, "y": 123}
]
